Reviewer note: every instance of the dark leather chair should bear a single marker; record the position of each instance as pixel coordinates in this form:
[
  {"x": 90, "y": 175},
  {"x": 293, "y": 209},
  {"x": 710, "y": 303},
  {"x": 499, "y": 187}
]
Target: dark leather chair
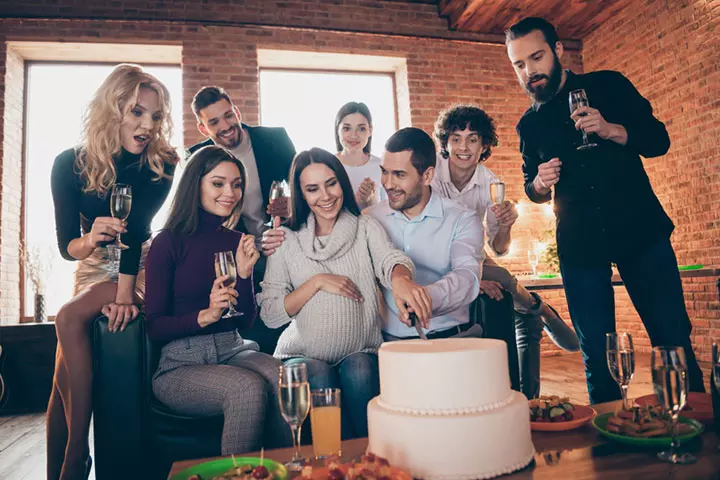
[
  {"x": 137, "y": 437},
  {"x": 133, "y": 431}
]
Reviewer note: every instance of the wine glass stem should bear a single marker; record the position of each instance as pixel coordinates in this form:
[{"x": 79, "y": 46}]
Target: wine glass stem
[
  {"x": 534, "y": 267},
  {"x": 675, "y": 444},
  {"x": 296, "y": 441},
  {"x": 585, "y": 138},
  {"x": 624, "y": 390}
]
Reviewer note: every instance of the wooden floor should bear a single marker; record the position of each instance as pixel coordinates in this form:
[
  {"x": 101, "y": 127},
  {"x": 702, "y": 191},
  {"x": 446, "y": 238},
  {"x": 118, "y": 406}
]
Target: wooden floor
[
  {"x": 22, "y": 438},
  {"x": 565, "y": 375}
]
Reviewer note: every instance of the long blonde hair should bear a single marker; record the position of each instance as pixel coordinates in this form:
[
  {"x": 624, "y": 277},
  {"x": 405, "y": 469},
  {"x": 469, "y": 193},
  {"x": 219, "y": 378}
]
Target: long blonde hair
[{"x": 101, "y": 128}]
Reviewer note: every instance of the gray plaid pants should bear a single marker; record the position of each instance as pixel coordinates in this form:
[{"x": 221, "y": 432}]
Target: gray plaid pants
[{"x": 222, "y": 374}]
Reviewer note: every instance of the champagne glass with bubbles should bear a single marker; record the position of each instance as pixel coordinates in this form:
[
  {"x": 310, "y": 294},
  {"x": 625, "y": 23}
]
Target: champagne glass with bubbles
[
  {"x": 670, "y": 382},
  {"x": 225, "y": 265},
  {"x": 534, "y": 257},
  {"x": 294, "y": 405},
  {"x": 120, "y": 204},
  {"x": 578, "y": 98},
  {"x": 621, "y": 361},
  {"x": 497, "y": 192}
]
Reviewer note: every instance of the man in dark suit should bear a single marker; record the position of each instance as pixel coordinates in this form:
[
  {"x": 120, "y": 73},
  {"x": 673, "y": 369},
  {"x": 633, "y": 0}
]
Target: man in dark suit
[{"x": 266, "y": 154}]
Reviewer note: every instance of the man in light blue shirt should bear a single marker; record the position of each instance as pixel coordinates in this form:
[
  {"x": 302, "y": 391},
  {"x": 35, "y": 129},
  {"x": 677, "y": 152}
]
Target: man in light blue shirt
[{"x": 438, "y": 234}]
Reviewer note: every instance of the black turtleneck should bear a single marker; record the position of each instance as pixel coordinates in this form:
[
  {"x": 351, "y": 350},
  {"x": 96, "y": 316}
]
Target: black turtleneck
[
  {"x": 179, "y": 274},
  {"x": 75, "y": 210}
]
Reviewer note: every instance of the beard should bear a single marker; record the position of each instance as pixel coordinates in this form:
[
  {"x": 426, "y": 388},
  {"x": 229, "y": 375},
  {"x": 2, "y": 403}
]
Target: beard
[
  {"x": 229, "y": 144},
  {"x": 412, "y": 198},
  {"x": 545, "y": 93}
]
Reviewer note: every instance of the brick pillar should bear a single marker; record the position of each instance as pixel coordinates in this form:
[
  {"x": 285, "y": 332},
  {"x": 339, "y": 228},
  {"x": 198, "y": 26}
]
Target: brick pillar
[{"x": 12, "y": 86}]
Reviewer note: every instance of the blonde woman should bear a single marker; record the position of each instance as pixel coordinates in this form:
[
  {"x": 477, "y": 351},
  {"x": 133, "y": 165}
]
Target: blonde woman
[{"x": 126, "y": 131}]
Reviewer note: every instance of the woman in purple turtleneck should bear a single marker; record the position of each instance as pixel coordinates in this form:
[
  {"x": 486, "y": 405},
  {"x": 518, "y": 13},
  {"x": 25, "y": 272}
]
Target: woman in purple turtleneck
[{"x": 206, "y": 367}]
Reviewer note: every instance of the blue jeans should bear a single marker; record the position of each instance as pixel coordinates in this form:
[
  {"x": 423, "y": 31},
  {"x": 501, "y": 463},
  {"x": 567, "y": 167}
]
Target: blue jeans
[
  {"x": 653, "y": 283},
  {"x": 357, "y": 377}
]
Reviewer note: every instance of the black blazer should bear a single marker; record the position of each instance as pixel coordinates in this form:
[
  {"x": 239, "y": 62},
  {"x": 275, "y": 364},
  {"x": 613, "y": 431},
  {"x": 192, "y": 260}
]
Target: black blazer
[{"x": 273, "y": 150}]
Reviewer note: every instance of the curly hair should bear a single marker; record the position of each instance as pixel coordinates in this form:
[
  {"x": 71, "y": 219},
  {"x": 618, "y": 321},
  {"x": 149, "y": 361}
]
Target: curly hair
[
  {"x": 459, "y": 117},
  {"x": 101, "y": 128}
]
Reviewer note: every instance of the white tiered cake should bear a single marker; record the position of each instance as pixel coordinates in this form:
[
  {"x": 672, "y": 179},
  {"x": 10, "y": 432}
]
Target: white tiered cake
[{"x": 446, "y": 410}]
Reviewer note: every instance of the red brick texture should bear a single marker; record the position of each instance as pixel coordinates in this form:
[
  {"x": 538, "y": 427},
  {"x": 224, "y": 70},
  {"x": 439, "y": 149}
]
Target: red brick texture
[
  {"x": 669, "y": 50},
  {"x": 414, "y": 19}
]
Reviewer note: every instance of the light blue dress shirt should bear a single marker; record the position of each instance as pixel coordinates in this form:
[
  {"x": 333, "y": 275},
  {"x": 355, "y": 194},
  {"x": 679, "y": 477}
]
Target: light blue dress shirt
[{"x": 445, "y": 243}]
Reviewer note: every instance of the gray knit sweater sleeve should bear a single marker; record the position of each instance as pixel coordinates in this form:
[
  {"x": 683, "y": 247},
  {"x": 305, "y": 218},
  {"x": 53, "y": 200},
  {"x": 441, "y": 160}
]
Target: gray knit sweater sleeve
[
  {"x": 382, "y": 252},
  {"x": 276, "y": 285}
]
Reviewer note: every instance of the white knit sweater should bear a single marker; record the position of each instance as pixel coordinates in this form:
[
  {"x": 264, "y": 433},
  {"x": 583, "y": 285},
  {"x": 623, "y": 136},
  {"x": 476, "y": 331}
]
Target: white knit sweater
[{"x": 330, "y": 327}]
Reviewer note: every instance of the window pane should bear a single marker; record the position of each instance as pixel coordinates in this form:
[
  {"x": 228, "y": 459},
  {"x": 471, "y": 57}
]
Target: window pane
[
  {"x": 306, "y": 102},
  {"x": 54, "y": 117}
]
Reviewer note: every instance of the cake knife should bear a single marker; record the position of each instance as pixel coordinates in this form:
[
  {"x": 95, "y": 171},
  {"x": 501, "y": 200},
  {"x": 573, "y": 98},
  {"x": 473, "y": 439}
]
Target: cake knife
[{"x": 416, "y": 323}]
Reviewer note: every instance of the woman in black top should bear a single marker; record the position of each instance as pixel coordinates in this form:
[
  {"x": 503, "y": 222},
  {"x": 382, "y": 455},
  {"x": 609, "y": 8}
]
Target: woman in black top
[{"x": 126, "y": 133}]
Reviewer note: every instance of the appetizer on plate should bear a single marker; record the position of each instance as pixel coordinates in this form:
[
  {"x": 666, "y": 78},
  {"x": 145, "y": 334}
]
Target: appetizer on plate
[
  {"x": 551, "y": 409},
  {"x": 646, "y": 421},
  {"x": 370, "y": 467},
  {"x": 241, "y": 472}
]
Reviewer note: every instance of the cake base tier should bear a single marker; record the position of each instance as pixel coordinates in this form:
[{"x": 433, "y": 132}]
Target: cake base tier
[{"x": 456, "y": 447}]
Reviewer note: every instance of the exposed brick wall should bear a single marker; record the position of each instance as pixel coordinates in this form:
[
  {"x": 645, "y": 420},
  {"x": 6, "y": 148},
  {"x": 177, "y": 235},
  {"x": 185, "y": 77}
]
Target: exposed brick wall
[
  {"x": 669, "y": 50},
  {"x": 11, "y": 96},
  {"x": 376, "y": 16}
]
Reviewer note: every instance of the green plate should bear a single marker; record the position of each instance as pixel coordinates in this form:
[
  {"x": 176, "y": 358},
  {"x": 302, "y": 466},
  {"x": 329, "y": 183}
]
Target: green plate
[
  {"x": 690, "y": 267},
  {"x": 547, "y": 275},
  {"x": 209, "y": 469},
  {"x": 600, "y": 424}
]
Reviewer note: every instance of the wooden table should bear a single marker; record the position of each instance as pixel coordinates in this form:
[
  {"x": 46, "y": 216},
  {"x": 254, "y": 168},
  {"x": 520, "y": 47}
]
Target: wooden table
[{"x": 577, "y": 454}]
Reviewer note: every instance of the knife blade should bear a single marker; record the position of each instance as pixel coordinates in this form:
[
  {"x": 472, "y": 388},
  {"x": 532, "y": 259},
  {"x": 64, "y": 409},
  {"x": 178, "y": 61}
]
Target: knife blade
[{"x": 416, "y": 323}]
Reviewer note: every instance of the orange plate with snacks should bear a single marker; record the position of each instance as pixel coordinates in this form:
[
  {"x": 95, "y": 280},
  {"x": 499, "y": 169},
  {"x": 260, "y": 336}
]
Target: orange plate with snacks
[
  {"x": 698, "y": 407},
  {"x": 581, "y": 416}
]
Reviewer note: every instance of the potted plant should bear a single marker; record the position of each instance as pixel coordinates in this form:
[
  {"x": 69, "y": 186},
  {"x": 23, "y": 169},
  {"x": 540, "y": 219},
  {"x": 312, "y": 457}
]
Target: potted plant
[{"x": 36, "y": 261}]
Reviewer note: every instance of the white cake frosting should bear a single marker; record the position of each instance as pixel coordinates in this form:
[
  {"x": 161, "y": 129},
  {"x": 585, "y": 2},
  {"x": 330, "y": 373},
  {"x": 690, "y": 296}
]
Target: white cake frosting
[
  {"x": 450, "y": 375},
  {"x": 450, "y": 413}
]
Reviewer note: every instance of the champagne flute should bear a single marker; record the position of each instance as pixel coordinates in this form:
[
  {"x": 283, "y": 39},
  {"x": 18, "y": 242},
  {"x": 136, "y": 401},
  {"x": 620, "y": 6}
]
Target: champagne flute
[
  {"x": 225, "y": 265},
  {"x": 278, "y": 189},
  {"x": 120, "y": 204},
  {"x": 534, "y": 260},
  {"x": 670, "y": 382},
  {"x": 497, "y": 192},
  {"x": 578, "y": 99},
  {"x": 294, "y": 405},
  {"x": 621, "y": 361}
]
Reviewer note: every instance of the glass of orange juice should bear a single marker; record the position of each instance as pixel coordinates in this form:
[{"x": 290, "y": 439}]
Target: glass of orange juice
[{"x": 325, "y": 422}]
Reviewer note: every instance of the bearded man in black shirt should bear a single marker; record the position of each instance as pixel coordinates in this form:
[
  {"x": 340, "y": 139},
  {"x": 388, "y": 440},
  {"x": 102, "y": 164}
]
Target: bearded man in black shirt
[{"x": 606, "y": 209}]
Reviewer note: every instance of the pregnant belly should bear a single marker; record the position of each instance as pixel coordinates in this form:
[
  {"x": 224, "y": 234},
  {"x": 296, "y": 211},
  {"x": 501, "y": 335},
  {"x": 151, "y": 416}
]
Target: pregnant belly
[{"x": 329, "y": 316}]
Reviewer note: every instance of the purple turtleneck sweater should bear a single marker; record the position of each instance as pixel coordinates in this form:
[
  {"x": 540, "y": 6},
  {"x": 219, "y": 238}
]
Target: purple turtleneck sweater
[{"x": 179, "y": 274}]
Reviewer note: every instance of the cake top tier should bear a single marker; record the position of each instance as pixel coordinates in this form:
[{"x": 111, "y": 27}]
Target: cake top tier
[
  {"x": 444, "y": 377},
  {"x": 444, "y": 345}
]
